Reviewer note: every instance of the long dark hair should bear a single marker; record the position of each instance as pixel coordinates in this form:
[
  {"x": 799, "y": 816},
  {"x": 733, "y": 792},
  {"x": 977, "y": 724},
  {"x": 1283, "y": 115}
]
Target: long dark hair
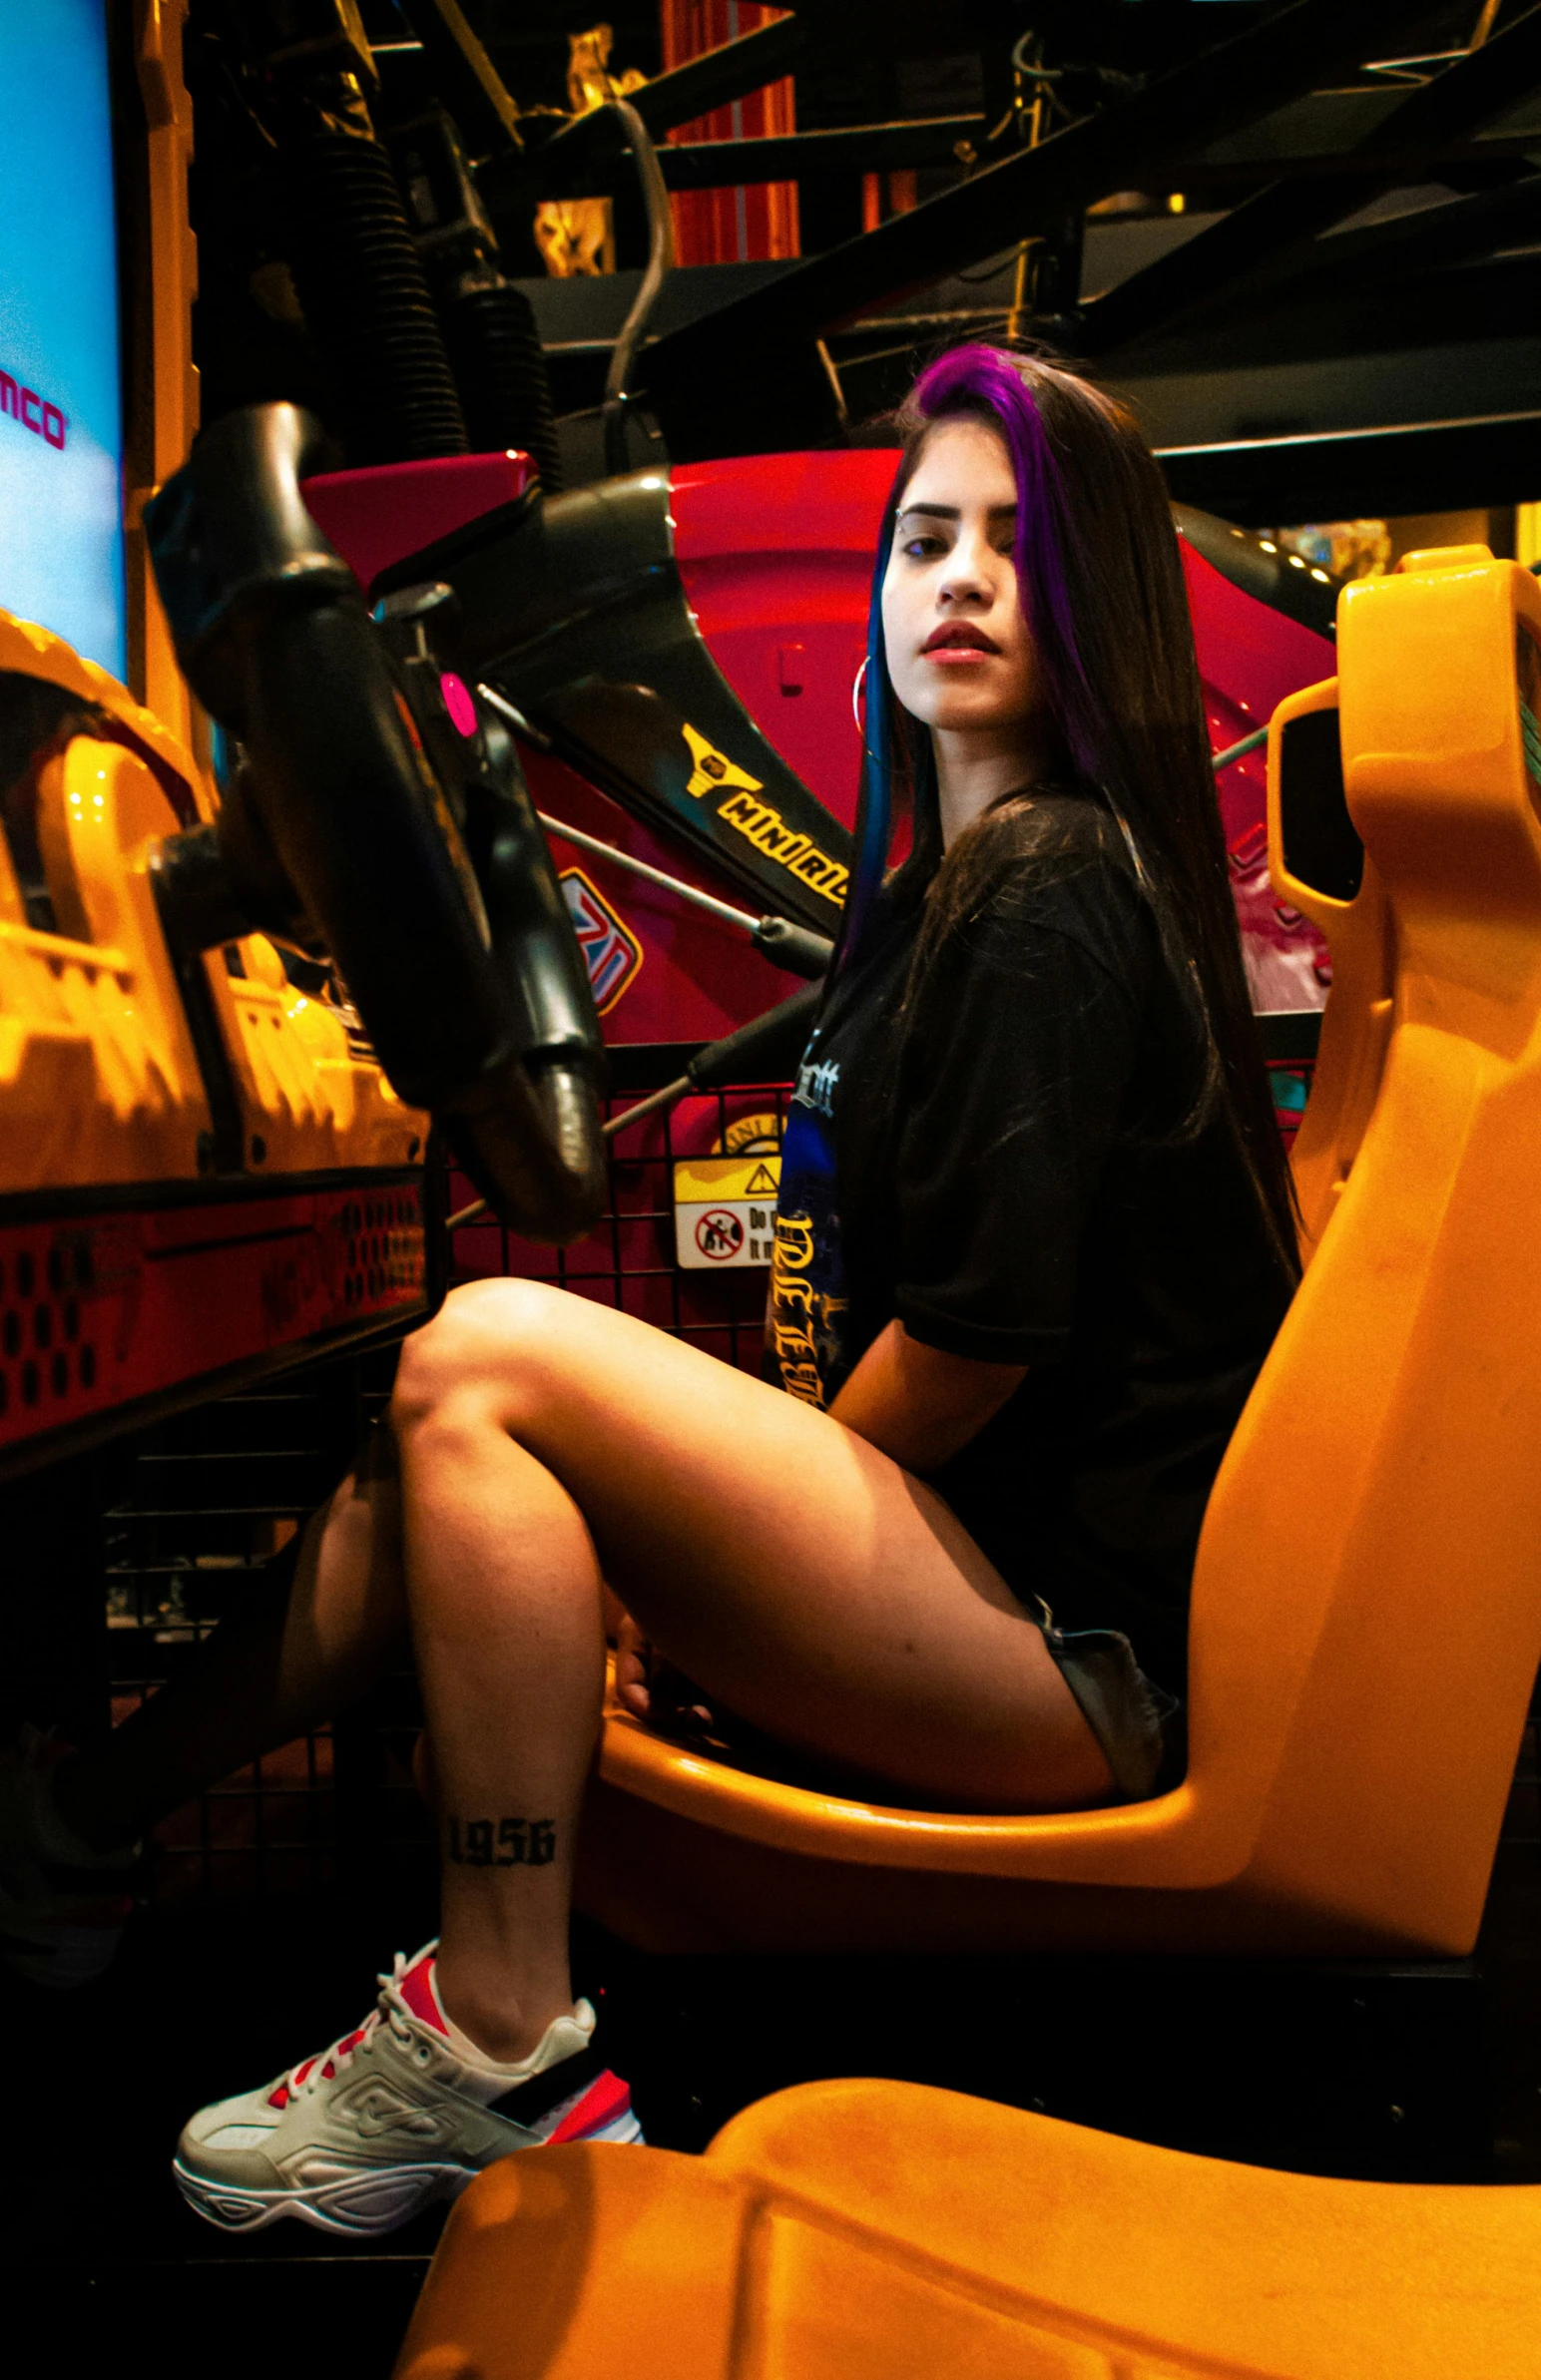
[{"x": 1103, "y": 593}]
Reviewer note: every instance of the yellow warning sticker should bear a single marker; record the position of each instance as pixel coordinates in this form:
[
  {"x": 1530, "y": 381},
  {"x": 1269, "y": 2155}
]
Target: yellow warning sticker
[
  {"x": 724, "y": 1211},
  {"x": 696, "y": 1178}
]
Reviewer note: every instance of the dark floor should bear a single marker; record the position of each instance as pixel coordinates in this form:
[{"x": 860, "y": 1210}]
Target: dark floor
[{"x": 1400, "y": 2074}]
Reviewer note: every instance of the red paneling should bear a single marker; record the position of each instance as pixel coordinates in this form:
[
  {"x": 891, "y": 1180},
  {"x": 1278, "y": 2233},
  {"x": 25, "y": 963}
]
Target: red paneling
[
  {"x": 776, "y": 551},
  {"x": 100, "y": 1310},
  {"x": 379, "y": 515},
  {"x": 698, "y": 976}
]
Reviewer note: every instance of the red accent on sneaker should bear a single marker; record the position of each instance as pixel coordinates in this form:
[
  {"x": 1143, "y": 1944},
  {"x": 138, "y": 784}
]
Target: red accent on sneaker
[
  {"x": 606, "y": 2098},
  {"x": 420, "y": 1992},
  {"x": 278, "y": 2097}
]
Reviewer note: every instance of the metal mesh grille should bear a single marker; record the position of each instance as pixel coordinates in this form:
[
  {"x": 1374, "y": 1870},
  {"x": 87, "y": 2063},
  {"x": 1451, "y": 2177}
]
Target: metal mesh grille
[
  {"x": 628, "y": 1261},
  {"x": 208, "y": 1498},
  {"x": 205, "y": 1501}
]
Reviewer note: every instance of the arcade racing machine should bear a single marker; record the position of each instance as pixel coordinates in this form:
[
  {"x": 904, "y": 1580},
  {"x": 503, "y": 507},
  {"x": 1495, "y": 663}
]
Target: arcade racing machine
[{"x": 510, "y": 819}]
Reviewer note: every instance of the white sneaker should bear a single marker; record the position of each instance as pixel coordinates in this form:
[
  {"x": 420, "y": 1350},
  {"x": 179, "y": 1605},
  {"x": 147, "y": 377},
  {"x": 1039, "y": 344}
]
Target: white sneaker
[
  {"x": 393, "y": 2116},
  {"x": 62, "y": 1906}
]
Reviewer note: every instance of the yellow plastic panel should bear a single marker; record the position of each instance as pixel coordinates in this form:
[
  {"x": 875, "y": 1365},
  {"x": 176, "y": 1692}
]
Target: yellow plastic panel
[
  {"x": 1162, "y": 2262},
  {"x": 311, "y": 1097},
  {"x": 99, "y": 1082},
  {"x": 163, "y": 414},
  {"x": 881, "y": 2231},
  {"x": 1357, "y": 1028},
  {"x": 98, "y": 1079},
  {"x": 512, "y": 2296},
  {"x": 819, "y": 2307},
  {"x": 35, "y": 652}
]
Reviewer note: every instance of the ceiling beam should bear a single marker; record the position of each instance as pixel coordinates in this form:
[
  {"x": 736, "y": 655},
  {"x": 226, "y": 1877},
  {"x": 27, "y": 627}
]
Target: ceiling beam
[
  {"x": 1278, "y": 229},
  {"x": 785, "y": 156},
  {"x": 692, "y": 376},
  {"x": 1440, "y": 466}
]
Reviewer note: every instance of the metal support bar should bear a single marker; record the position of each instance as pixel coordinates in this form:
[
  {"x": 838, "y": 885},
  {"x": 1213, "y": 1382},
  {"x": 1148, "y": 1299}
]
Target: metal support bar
[
  {"x": 1234, "y": 83},
  {"x": 465, "y": 79},
  {"x": 1327, "y": 475},
  {"x": 643, "y": 867},
  {"x": 717, "y": 76},
  {"x": 561, "y": 173},
  {"x": 1280, "y": 227},
  {"x": 1411, "y": 248}
]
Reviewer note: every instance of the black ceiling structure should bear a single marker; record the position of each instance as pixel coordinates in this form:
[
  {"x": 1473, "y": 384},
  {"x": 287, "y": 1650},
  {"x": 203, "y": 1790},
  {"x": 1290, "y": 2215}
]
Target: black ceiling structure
[{"x": 1344, "y": 317}]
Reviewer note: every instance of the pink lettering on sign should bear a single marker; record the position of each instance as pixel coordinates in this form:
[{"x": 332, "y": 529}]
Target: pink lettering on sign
[{"x": 35, "y": 413}]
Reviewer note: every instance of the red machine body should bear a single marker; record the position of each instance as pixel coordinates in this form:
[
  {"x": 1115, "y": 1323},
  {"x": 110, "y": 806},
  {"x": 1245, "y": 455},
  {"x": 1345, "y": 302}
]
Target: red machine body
[{"x": 776, "y": 555}]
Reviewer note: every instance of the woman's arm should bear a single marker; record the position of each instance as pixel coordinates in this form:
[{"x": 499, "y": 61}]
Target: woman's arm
[{"x": 919, "y": 1405}]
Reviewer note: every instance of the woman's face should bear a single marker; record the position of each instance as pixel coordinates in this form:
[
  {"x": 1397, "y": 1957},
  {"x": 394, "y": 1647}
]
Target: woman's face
[{"x": 959, "y": 653}]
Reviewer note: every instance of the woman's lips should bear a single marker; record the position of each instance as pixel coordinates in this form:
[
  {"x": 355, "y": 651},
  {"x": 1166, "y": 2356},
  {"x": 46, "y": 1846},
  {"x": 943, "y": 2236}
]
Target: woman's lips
[{"x": 958, "y": 641}]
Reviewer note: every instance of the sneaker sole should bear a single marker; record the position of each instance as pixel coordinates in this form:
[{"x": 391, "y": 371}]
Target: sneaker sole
[{"x": 355, "y": 2207}]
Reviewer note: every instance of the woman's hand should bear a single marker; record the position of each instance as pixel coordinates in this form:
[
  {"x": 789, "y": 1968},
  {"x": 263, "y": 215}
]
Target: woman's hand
[
  {"x": 649, "y": 1686},
  {"x": 634, "y": 1662}
]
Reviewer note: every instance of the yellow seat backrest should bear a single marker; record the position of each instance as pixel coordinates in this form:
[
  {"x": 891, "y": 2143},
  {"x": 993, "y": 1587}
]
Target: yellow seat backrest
[
  {"x": 1367, "y": 1595},
  {"x": 1366, "y": 1601}
]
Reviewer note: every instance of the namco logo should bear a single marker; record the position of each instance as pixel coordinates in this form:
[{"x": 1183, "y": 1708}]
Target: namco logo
[{"x": 32, "y": 411}]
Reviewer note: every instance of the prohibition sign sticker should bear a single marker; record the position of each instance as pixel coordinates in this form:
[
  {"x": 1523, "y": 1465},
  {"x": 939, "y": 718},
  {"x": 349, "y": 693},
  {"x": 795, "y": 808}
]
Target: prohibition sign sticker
[{"x": 719, "y": 1234}]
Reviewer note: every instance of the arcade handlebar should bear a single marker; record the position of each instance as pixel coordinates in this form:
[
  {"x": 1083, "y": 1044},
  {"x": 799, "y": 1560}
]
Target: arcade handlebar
[{"x": 364, "y": 818}]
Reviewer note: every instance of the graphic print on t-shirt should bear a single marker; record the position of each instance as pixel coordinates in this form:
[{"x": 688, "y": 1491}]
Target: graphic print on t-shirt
[{"x": 808, "y": 1274}]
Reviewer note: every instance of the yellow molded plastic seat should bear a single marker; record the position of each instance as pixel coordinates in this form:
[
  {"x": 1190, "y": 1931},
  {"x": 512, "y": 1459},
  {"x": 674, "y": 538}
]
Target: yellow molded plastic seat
[
  {"x": 845, "y": 2231},
  {"x": 1367, "y": 1608},
  {"x": 100, "y": 1080}
]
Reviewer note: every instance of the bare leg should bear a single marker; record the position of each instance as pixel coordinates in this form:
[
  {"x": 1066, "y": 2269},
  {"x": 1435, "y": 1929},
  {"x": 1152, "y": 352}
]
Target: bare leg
[
  {"x": 509, "y": 1636},
  {"x": 783, "y": 1563},
  {"x": 299, "y": 1654}
]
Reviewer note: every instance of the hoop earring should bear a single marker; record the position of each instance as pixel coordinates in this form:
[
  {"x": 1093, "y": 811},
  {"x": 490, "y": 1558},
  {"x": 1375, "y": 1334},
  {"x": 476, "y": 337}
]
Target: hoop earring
[{"x": 858, "y": 684}]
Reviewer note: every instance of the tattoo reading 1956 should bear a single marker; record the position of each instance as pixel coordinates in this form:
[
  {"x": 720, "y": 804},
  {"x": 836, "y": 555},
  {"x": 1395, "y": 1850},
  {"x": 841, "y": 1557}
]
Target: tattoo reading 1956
[{"x": 501, "y": 1842}]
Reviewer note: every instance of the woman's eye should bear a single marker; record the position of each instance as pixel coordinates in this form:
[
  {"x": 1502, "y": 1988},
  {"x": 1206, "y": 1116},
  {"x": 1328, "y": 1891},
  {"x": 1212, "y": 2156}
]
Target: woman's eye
[{"x": 924, "y": 549}]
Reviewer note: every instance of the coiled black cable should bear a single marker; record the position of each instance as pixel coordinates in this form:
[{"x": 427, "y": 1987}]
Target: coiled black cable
[
  {"x": 489, "y": 328},
  {"x": 358, "y": 279}
]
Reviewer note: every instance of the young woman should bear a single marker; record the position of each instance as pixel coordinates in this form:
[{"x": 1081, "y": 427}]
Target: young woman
[{"x": 1034, "y": 1238}]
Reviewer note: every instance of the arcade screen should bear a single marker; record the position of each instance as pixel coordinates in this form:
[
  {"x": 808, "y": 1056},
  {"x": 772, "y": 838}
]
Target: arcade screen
[{"x": 61, "y": 441}]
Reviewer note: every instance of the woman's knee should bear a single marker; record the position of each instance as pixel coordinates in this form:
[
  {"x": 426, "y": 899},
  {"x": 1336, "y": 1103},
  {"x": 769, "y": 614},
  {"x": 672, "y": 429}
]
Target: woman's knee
[{"x": 488, "y": 1335}]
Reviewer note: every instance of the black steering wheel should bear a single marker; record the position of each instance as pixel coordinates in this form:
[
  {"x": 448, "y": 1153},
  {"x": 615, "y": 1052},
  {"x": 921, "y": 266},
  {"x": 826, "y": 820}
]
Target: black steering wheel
[{"x": 365, "y": 817}]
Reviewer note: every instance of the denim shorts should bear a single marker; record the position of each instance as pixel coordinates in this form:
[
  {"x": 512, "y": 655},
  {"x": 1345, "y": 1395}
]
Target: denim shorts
[{"x": 1140, "y": 1729}]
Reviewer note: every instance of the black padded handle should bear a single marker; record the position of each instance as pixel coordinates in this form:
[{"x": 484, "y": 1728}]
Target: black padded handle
[{"x": 341, "y": 791}]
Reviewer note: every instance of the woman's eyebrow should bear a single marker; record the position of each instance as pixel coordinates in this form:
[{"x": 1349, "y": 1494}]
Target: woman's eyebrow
[{"x": 953, "y": 512}]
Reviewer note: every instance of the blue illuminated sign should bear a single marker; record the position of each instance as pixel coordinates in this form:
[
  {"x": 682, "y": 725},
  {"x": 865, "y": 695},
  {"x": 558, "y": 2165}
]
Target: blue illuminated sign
[{"x": 61, "y": 435}]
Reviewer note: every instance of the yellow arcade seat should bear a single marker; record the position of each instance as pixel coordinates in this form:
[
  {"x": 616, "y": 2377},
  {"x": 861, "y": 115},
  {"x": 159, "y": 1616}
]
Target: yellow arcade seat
[
  {"x": 1367, "y": 1608},
  {"x": 1318, "y": 864},
  {"x": 845, "y": 2231}
]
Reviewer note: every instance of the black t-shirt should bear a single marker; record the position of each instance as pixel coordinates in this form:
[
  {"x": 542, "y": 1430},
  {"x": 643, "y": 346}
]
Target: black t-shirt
[{"x": 995, "y": 1155}]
